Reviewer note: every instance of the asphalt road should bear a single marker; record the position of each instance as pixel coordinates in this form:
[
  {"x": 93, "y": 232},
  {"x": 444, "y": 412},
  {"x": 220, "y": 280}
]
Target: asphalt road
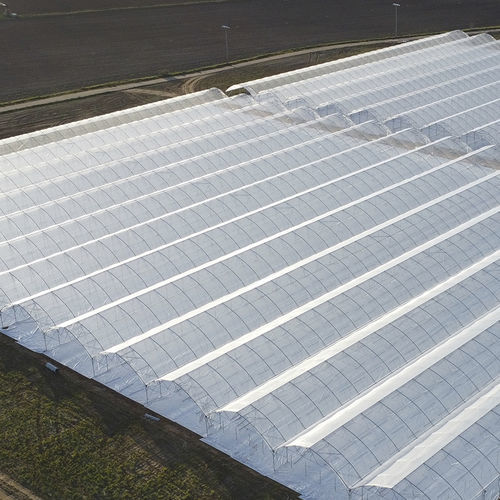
[{"x": 47, "y": 54}]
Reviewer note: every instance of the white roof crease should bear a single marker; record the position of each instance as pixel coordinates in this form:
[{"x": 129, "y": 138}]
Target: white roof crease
[
  {"x": 129, "y": 228},
  {"x": 258, "y": 283},
  {"x": 183, "y": 183},
  {"x": 437, "y": 438},
  {"x": 269, "y": 238},
  {"x": 300, "y": 310},
  {"x": 356, "y": 336},
  {"x": 330, "y": 424}
]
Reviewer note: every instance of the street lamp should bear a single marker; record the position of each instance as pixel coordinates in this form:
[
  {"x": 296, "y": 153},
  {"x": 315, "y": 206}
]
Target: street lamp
[
  {"x": 226, "y": 29},
  {"x": 396, "y": 5},
  {"x": 6, "y": 11}
]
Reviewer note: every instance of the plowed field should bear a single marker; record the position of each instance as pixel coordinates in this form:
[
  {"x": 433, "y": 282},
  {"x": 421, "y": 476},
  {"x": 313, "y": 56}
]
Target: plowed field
[{"x": 43, "y": 54}]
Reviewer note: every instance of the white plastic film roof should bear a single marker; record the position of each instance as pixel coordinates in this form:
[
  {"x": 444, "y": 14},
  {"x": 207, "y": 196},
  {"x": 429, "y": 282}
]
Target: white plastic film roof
[{"x": 308, "y": 275}]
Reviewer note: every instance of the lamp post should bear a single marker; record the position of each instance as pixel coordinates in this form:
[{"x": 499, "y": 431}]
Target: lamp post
[
  {"x": 396, "y": 5},
  {"x": 226, "y": 29}
]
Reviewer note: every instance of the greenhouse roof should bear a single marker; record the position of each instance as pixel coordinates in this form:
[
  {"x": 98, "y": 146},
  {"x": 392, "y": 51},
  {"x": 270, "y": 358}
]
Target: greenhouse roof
[{"x": 307, "y": 274}]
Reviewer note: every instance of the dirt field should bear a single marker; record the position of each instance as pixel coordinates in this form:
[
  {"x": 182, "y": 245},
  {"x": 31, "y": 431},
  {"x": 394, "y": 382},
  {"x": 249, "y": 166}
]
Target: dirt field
[
  {"x": 53, "y": 53},
  {"x": 39, "y": 117},
  {"x": 35, "y": 7},
  {"x": 31, "y": 119}
]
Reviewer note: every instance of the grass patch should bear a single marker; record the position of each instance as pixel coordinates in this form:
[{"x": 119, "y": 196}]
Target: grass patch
[{"x": 63, "y": 436}]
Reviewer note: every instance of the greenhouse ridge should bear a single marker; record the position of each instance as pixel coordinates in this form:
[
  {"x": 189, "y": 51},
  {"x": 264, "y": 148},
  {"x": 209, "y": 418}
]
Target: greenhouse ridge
[{"x": 305, "y": 273}]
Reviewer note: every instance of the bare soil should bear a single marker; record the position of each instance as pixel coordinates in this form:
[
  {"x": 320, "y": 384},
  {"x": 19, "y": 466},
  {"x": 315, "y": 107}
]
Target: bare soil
[
  {"x": 35, "y": 7},
  {"x": 39, "y": 117},
  {"x": 46, "y": 54}
]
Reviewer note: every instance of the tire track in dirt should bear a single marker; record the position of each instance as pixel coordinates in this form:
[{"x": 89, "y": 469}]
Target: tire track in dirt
[
  {"x": 192, "y": 84},
  {"x": 159, "y": 93}
]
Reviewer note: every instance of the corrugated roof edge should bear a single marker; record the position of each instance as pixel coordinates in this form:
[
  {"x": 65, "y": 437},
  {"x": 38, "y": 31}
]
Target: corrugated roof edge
[{"x": 45, "y": 136}]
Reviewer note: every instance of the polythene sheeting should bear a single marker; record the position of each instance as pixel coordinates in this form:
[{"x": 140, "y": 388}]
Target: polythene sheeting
[{"x": 307, "y": 275}]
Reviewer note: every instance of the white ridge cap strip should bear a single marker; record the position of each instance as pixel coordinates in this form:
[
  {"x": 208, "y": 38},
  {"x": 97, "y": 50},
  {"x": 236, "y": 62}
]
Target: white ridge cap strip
[
  {"x": 138, "y": 156},
  {"x": 183, "y": 183},
  {"x": 450, "y": 98},
  {"x": 445, "y": 75},
  {"x": 438, "y": 439},
  {"x": 108, "y": 120},
  {"x": 442, "y": 84},
  {"x": 358, "y": 59},
  {"x": 25, "y": 167},
  {"x": 444, "y": 72},
  {"x": 208, "y": 154},
  {"x": 462, "y": 56},
  {"x": 454, "y": 115},
  {"x": 354, "y": 337},
  {"x": 247, "y": 288},
  {"x": 234, "y": 219},
  {"x": 162, "y": 247},
  {"x": 330, "y": 424},
  {"x": 201, "y": 202},
  {"x": 107, "y": 164},
  {"x": 254, "y": 244},
  {"x": 481, "y": 127},
  {"x": 322, "y": 96},
  {"x": 212, "y": 355},
  {"x": 319, "y": 83}
]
